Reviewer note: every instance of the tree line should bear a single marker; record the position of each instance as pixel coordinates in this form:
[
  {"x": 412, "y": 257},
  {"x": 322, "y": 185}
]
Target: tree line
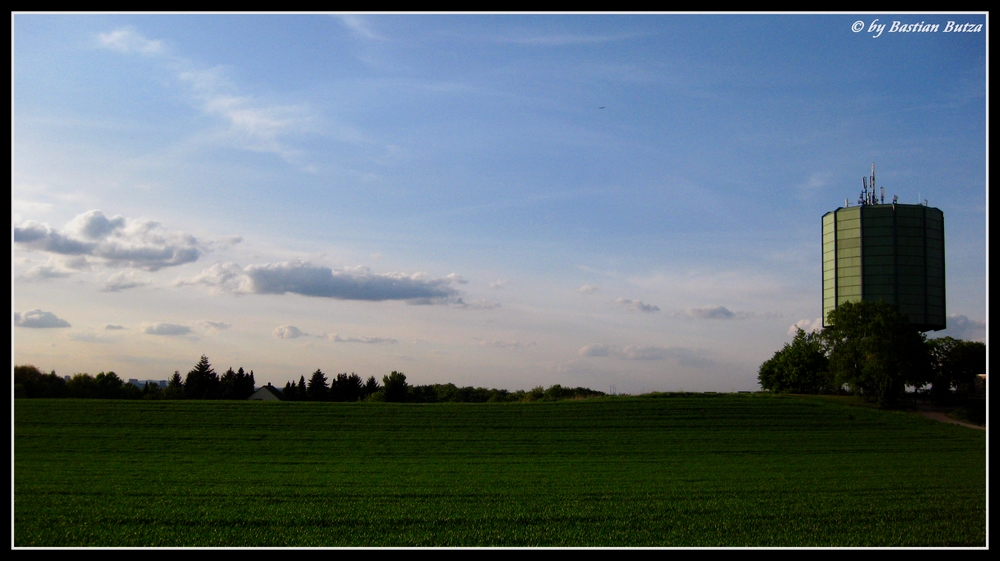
[
  {"x": 394, "y": 388},
  {"x": 202, "y": 382},
  {"x": 872, "y": 350}
]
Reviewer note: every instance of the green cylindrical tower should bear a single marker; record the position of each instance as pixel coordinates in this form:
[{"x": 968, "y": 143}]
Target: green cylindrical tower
[{"x": 891, "y": 252}]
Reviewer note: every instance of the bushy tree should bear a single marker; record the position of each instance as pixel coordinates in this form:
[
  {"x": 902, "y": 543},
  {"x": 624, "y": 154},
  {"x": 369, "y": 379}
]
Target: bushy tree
[
  {"x": 799, "y": 367},
  {"x": 29, "y": 381},
  {"x": 954, "y": 365},
  {"x": 875, "y": 351},
  {"x": 394, "y": 386}
]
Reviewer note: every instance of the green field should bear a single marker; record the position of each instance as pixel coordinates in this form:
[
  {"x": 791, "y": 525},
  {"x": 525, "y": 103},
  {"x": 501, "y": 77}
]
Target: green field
[{"x": 689, "y": 470}]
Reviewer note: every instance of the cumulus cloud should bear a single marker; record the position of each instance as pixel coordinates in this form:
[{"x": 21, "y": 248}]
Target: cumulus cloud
[
  {"x": 113, "y": 327},
  {"x": 637, "y": 305},
  {"x": 165, "y": 329},
  {"x": 807, "y": 325},
  {"x": 683, "y": 356},
  {"x": 499, "y": 283},
  {"x": 226, "y": 277},
  {"x": 718, "y": 312},
  {"x": 115, "y": 242},
  {"x": 39, "y": 319},
  {"x": 588, "y": 289},
  {"x": 370, "y": 340},
  {"x": 214, "y": 325},
  {"x": 300, "y": 277},
  {"x": 287, "y": 332}
]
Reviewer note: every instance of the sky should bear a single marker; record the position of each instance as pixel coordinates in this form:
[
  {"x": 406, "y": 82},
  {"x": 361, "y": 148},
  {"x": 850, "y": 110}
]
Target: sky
[{"x": 627, "y": 202}]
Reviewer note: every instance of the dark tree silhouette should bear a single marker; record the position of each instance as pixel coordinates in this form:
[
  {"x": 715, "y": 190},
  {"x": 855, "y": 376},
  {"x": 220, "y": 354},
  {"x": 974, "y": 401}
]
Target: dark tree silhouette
[
  {"x": 202, "y": 382},
  {"x": 317, "y": 390},
  {"x": 175, "y": 387},
  {"x": 370, "y": 387},
  {"x": 954, "y": 365},
  {"x": 394, "y": 386}
]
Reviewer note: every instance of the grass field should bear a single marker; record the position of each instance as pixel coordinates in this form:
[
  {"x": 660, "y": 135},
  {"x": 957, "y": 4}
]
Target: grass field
[{"x": 688, "y": 470}]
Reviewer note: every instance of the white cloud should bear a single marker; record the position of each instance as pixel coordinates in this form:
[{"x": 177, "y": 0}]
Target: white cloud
[
  {"x": 226, "y": 277},
  {"x": 588, "y": 289},
  {"x": 287, "y": 332},
  {"x": 214, "y": 325},
  {"x": 360, "y": 27},
  {"x": 807, "y": 325},
  {"x": 116, "y": 242},
  {"x": 499, "y": 283},
  {"x": 251, "y": 124},
  {"x": 127, "y": 40},
  {"x": 38, "y": 319},
  {"x": 164, "y": 329},
  {"x": 637, "y": 305},
  {"x": 961, "y": 327},
  {"x": 124, "y": 280}
]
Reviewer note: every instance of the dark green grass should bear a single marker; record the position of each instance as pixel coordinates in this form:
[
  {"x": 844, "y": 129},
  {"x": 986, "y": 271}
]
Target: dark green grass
[{"x": 722, "y": 470}]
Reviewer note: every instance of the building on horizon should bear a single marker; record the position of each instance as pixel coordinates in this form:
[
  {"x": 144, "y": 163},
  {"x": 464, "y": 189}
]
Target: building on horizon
[{"x": 891, "y": 252}]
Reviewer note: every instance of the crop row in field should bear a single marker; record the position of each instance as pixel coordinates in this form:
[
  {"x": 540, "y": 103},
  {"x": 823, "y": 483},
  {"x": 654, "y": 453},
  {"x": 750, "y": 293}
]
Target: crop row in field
[{"x": 724, "y": 470}]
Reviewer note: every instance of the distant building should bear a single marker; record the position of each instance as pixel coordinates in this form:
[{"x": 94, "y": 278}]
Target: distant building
[
  {"x": 267, "y": 393},
  {"x": 890, "y": 252},
  {"x": 142, "y": 383}
]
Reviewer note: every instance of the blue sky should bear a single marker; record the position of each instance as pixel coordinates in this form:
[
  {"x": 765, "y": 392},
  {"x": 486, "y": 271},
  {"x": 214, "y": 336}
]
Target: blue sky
[{"x": 490, "y": 200}]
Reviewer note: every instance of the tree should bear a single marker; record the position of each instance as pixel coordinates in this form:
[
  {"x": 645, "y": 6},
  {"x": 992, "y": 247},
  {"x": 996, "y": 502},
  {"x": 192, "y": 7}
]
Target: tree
[
  {"x": 175, "y": 387},
  {"x": 799, "y": 367},
  {"x": 317, "y": 390},
  {"x": 954, "y": 364},
  {"x": 29, "y": 381},
  {"x": 875, "y": 350},
  {"x": 202, "y": 382},
  {"x": 394, "y": 386},
  {"x": 371, "y": 386}
]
